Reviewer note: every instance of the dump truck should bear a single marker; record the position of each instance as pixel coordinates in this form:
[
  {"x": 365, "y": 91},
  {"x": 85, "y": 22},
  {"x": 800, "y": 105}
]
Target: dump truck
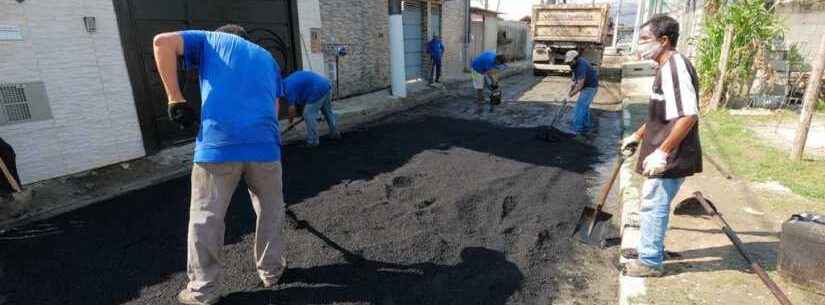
[{"x": 558, "y": 28}]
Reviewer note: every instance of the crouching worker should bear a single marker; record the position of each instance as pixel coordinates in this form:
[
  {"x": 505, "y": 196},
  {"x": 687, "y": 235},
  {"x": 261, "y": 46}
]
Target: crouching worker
[
  {"x": 239, "y": 137},
  {"x": 312, "y": 91},
  {"x": 485, "y": 74}
]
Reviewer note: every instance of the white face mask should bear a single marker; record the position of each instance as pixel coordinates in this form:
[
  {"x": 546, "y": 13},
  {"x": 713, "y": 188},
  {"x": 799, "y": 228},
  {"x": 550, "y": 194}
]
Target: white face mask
[{"x": 649, "y": 50}]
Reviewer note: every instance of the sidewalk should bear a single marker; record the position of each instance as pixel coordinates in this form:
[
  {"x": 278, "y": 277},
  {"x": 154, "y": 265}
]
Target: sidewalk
[
  {"x": 706, "y": 268},
  {"x": 64, "y": 194}
]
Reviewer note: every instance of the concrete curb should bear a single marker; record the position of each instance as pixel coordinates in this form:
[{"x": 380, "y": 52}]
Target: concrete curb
[
  {"x": 349, "y": 116},
  {"x": 631, "y": 289}
]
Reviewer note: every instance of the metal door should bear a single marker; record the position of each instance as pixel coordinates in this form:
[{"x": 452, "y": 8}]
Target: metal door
[
  {"x": 270, "y": 23},
  {"x": 413, "y": 39},
  {"x": 476, "y": 39},
  {"x": 435, "y": 20}
]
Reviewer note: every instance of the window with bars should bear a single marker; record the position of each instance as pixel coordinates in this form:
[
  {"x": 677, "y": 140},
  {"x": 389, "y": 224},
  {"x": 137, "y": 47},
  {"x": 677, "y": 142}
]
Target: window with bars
[{"x": 23, "y": 102}]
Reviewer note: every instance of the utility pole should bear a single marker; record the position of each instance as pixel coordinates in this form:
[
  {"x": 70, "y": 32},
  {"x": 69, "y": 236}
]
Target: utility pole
[
  {"x": 809, "y": 101},
  {"x": 617, "y": 23},
  {"x": 397, "y": 72},
  {"x": 640, "y": 5}
]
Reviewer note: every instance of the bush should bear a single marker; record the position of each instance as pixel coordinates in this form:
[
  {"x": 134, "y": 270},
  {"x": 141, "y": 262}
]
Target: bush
[{"x": 754, "y": 27}]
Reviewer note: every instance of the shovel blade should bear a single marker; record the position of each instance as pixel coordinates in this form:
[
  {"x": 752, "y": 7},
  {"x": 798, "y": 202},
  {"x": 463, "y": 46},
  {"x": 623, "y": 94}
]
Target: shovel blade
[
  {"x": 595, "y": 237},
  {"x": 552, "y": 135}
]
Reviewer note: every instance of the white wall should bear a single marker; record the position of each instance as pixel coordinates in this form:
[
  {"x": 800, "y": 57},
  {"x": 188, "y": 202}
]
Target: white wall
[
  {"x": 490, "y": 32},
  {"x": 309, "y": 16},
  {"x": 805, "y": 24},
  {"x": 94, "y": 117}
]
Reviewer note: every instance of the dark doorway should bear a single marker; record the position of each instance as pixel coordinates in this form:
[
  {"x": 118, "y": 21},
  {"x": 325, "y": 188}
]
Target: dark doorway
[{"x": 270, "y": 23}]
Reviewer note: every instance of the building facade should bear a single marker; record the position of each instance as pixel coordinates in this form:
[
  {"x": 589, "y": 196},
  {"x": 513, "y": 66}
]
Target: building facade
[
  {"x": 79, "y": 75},
  {"x": 79, "y": 89},
  {"x": 361, "y": 26}
]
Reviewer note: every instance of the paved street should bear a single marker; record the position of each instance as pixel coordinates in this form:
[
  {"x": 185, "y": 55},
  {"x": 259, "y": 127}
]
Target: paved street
[{"x": 435, "y": 205}]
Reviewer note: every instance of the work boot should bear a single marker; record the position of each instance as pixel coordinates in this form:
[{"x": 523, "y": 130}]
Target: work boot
[
  {"x": 335, "y": 136},
  {"x": 272, "y": 283},
  {"x": 636, "y": 268},
  {"x": 186, "y": 297}
]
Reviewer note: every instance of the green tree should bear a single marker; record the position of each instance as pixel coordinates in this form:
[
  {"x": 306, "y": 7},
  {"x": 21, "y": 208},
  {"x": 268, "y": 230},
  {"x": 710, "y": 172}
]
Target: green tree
[{"x": 755, "y": 26}]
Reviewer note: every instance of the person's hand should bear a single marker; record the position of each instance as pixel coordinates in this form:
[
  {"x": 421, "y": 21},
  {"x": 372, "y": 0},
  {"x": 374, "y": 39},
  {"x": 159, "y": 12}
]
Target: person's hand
[
  {"x": 655, "y": 163},
  {"x": 630, "y": 141},
  {"x": 181, "y": 113},
  {"x": 292, "y": 112}
]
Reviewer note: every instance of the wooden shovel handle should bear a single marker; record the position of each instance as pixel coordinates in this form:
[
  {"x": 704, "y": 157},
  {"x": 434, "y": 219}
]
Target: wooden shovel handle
[{"x": 7, "y": 174}]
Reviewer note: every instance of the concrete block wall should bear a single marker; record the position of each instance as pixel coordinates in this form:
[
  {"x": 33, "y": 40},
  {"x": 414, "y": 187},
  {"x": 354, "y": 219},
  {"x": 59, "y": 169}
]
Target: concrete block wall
[
  {"x": 94, "y": 116},
  {"x": 362, "y": 26}
]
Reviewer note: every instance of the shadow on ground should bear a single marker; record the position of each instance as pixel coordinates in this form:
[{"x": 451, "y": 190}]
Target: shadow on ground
[
  {"x": 109, "y": 253},
  {"x": 725, "y": 258}
]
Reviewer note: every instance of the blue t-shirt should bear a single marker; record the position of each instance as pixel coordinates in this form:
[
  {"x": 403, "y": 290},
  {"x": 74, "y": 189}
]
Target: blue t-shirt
[
  {"x": 484, "y": 62},
  {"x": 586, "y": 72},
  {"x": 305, "y": 87},
  {"x": 436, "y": 48},
  {"x": 240, "y": 82}
]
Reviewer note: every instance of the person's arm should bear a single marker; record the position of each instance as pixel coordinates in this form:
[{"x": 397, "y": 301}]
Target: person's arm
[
  {"x": 680, "y": 131},
  {"x": 577, "y": 86},
  {"x": 167, "y": 48}
]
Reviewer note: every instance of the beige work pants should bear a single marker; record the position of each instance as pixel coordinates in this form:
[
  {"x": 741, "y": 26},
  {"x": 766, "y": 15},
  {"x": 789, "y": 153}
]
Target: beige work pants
[{"x": 212, "y": 188}]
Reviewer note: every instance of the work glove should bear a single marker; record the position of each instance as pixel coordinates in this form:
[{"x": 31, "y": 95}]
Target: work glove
[
  {"x": 292, "y": 112},
  {"x": 655, "y": 163},
  {"x": 630, "y": 142},
  {"x": 181, "y": 113}
]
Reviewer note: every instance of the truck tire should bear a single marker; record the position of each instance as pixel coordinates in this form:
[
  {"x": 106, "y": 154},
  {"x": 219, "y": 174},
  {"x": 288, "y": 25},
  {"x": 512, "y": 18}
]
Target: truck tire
[{"x": 802, "y": 251}]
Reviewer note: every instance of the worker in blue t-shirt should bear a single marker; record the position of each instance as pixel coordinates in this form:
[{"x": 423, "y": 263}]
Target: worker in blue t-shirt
[
  {"x": 240, "y": 86},
  {"x": 436, "y": 50},
  {"x": 313, "y": 91},
  {"x": 586, "y": 84},
  {"x": 485, "y": 74}
]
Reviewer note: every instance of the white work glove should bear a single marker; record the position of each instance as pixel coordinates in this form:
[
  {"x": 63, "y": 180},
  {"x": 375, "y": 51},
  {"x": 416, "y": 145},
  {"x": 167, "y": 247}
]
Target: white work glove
[
  {"x": 655, "y": 163},
  {"x": 631, "y": 140}
]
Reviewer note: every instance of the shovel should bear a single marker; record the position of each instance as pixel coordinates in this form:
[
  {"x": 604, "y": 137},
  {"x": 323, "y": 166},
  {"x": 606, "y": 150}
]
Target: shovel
[
  {"x": 553, "y": 134},
  {"x": 737, "y": 243},
  {"x": 292, "y": 126},
  {"x": 593, "y": 223}
]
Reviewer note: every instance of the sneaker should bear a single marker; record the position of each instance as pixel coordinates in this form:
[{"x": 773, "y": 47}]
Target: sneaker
[
  {"x": 635, "y": 268},
  {"x": 186, "y": 297},
  {"x": 274, "y": 281}
]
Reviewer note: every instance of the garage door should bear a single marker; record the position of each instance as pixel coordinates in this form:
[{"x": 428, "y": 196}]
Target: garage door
[
  {"x": 270, "y": 23},
  {"x": 413, "y": 39}
]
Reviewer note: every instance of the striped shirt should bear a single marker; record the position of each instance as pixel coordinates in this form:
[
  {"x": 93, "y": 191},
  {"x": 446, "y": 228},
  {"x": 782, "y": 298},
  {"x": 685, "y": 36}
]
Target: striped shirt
[{"x": 674, "y": 95}]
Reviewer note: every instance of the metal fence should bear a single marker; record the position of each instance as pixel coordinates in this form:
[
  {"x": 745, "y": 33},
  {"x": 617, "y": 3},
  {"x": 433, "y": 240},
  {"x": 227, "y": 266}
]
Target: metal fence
[{"x": 513, "y": 40}]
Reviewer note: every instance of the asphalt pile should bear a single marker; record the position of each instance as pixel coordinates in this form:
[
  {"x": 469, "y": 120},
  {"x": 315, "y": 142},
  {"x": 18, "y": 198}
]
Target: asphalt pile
[{"x": 421, "y": 207}]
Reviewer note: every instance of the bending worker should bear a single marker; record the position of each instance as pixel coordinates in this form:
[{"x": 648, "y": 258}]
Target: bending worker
[
  {"x": 313, "y": 91},
  {"x": 485, "y": 74},
  {"x": 586, "y": 85},
  {"x": 239, "y": 137}
]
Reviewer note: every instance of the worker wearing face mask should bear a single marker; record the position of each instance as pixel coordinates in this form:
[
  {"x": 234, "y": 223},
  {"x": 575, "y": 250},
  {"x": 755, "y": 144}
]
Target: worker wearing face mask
[{"x": 670, "y": 149}]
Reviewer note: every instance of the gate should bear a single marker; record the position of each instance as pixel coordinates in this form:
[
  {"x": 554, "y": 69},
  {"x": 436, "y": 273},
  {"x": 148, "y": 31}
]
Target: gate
[
  {"x": 270, "y": 23},
  {"x": 413, "y": 39}
]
